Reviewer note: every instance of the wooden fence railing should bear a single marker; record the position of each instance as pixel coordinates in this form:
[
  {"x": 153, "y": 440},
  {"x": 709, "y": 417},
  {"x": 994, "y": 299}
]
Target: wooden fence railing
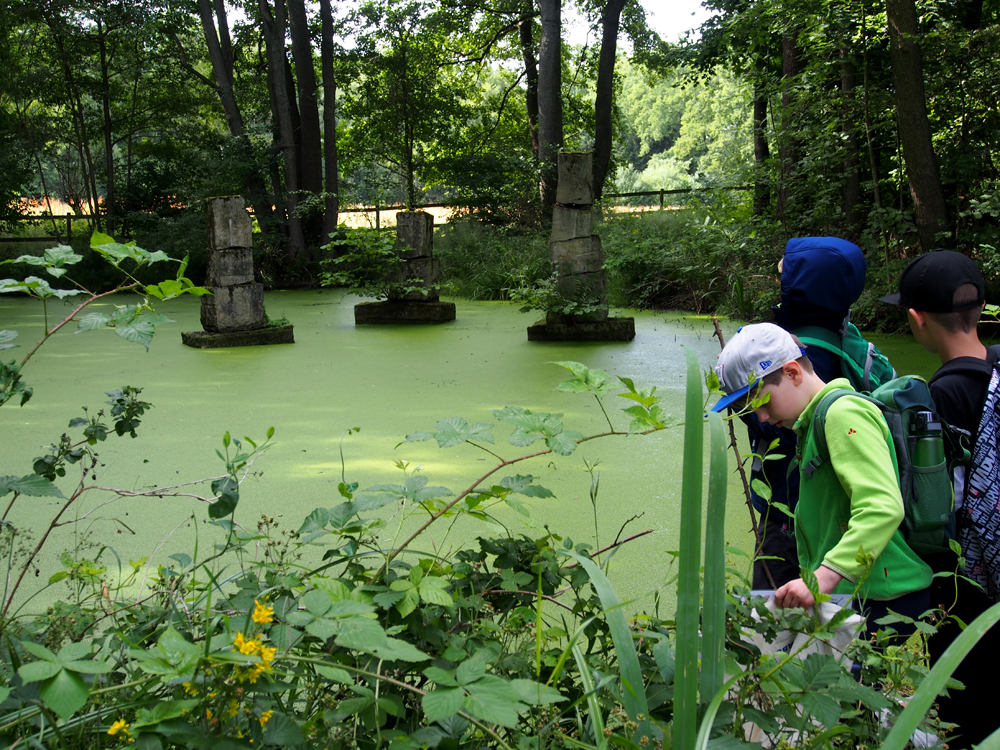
[{"x": 59, "y": 221}]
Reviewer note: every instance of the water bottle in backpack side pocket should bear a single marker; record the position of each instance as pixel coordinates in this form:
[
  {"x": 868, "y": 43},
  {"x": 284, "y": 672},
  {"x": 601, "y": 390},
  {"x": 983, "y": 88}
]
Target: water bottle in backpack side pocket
[{"x": 928, "y": 459}]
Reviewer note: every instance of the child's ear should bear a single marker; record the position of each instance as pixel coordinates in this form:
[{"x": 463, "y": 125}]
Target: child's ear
[
  {"x": 917, "y": 318},
  {"x": 793, "y": 371}
]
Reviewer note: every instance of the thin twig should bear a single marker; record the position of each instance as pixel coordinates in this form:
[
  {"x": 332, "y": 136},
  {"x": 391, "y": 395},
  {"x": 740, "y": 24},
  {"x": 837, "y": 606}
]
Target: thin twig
[
  {"x": 619, "y": 534},
  {"x": 743, "y": 475},
  {"x": 612, "y": 546}
]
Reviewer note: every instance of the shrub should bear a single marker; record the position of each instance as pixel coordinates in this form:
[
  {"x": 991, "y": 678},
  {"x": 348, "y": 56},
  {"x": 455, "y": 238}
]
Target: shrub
[{"x": 482, "y": 262}]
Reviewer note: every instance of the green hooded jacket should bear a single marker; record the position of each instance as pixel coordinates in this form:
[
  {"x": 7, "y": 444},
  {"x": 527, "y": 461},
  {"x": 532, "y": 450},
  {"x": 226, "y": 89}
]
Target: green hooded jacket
[{"x": 852, "y": 502}]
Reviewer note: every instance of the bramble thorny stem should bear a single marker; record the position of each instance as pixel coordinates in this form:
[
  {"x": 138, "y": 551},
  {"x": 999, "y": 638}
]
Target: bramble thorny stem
[
  {"x": 93, "y": 298},
  {"x": 471, "y": 488}
]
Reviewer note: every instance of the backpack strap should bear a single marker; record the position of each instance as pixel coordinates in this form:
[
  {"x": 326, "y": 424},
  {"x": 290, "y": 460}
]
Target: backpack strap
[
  {"x": 857, "y": 367},
  {"x": 819, "y": 430},
  {"x": 823, "y": 338}
]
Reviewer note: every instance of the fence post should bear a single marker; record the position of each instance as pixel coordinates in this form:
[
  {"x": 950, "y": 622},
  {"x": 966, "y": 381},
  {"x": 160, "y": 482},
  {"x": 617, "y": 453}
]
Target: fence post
[
  {"x": 661, "y": 199},
  {"x": 69, "y": 229},
  {"x": 377, "y": 224}
]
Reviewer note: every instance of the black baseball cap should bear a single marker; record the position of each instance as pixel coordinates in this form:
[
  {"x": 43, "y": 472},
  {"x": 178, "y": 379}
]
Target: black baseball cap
[{"x": 929, "y": 282}]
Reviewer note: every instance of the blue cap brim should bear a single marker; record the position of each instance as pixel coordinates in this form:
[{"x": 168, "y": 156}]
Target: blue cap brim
[{"x": 727, "y": 401}]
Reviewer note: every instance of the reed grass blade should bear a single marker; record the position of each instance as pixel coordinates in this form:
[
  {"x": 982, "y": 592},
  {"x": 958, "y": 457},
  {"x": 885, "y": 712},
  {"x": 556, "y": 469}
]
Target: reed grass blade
[
  {"x": 714, "y": 612},
  {"x": 689, "y": 566},
  {"x": 633, "y": 688}
]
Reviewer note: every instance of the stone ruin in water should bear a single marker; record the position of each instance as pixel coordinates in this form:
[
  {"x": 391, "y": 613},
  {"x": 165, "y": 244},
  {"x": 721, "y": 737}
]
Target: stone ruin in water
[
  {"x": 233, "y": 315},
  {"x": 578, "y": 261},
  {"x": 419, "y": 269}
]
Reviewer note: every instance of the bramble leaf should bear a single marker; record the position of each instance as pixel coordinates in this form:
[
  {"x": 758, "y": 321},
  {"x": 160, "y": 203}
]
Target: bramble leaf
[
  {"x": 65, "y": 693},
  {"x": 442, "y": 703},
  {"x": 31, "y": 485},
  {"x": 597, "y": 382},
  {"x": 92, "y": 321}
]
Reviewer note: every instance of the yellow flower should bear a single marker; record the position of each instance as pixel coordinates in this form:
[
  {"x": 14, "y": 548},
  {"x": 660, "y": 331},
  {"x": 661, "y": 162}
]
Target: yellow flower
[
  {"x": 262, "y": 614},
  {"x": 234, "y": 707},
  {"x": 119, "y": 726},
  {"x": 245, "y": 646},
  {"x": 265, "y": 717},
  {"x": 267, "y": 654}
]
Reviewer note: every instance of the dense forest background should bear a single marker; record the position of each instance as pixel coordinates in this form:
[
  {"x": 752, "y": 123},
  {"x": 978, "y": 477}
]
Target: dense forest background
[{"x": 870, "y": 121}]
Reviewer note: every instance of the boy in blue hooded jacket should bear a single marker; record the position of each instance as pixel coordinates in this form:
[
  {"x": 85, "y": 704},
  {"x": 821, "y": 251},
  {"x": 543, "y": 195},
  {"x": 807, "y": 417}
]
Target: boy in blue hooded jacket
[{"x": 821, "y": 277}]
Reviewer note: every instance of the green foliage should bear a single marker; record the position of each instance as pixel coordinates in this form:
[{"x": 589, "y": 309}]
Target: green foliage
[
  {"x": 368, "y": 263},
  {"x": 482, "y": 262},
  {"x": 683, "y": 260},
  {"x": 546, "y": 296}
]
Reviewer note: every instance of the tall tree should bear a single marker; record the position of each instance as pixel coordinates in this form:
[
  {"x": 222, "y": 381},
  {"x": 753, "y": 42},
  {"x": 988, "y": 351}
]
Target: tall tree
[
  {"x": 526, "y": 37},
  {"x": 550, "y": 114},
  {"x": 930, "y": 211},
  {"x": 273, "y": 27},
  {"x": 604, "y": 100},
  {"x": 331, "y": 202},
  {"x": 406, "y": 106},
  {"x": 220, "y": 54},
  {"x": 309, "y": 150}
]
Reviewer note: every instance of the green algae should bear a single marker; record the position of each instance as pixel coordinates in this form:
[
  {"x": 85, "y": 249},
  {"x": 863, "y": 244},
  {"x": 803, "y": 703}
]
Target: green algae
[{"x": 387, "y": 380}]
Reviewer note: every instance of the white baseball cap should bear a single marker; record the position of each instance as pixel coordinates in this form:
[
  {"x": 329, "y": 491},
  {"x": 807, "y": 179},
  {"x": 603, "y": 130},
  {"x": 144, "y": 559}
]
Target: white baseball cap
[{"x": 756, "y": 350}]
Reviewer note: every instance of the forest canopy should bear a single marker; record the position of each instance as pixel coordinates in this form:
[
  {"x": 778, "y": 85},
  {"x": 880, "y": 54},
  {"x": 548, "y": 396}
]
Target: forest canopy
[{"x": 875, "y": 122}]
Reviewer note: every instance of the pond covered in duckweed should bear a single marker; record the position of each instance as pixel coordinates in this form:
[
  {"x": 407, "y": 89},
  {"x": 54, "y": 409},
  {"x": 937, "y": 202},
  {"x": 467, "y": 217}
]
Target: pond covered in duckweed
[{"x": 389, "y": 381}]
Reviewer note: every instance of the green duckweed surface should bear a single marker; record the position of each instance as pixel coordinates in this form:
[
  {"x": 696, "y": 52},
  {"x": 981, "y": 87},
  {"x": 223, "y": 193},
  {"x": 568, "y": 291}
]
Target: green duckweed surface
[{"x": 389, "y": 381}]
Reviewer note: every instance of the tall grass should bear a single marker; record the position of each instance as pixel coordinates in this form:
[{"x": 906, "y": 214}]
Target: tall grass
[{"x": 482, "y": 262}]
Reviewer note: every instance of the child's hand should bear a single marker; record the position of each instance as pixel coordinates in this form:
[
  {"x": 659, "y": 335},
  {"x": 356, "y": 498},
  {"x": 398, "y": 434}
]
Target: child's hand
[{"x": 794, "y": 594}]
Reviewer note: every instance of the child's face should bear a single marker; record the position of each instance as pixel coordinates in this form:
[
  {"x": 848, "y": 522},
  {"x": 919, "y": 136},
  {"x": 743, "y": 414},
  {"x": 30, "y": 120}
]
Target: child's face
[{"x": 788, "y": 399}]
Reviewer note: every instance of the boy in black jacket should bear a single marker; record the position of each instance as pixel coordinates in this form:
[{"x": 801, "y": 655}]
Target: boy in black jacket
[
  {"x": 942, "y": 293},
  {"x": 821, "y": 277}
]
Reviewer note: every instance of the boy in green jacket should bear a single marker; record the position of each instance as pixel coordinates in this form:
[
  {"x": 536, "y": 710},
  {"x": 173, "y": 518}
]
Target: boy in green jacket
[{"x": 849, "y": 504}]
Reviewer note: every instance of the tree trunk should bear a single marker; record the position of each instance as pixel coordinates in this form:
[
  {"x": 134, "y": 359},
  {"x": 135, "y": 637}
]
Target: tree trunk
[
  {"x": 604, "y": 100},
  {"x": 332, "y": 201},
  {"x": 220, "y": 55},
  {"x": 109, "y": 142},
  {"x": 311, "y": 154},
  {"x": 409, "y": 141},
  {"x": 550, "y": 125},
  {"x": 761, "y": 152},
  {"x": 930, "y": 212},
  {"x": 225, "y": 41},
  {"x": 273, "y": 28},
  {"x": 527, "y": 38},
  {"x": 788, "y": 146},
  {"x": 852, "y": 172}
]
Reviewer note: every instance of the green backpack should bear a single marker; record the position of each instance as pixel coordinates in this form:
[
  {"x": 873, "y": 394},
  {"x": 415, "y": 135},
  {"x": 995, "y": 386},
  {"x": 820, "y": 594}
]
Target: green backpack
[
  {"x": 861, "y": 362},
  {"x": 922, "y": 471}
]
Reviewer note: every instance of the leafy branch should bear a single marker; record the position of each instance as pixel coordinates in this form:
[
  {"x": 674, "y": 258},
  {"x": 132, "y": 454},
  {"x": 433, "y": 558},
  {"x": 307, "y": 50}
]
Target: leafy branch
[{"x": 134, "y": 323}]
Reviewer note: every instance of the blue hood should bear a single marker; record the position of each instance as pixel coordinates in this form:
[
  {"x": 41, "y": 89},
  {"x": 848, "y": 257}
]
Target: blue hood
[{"x": 820, "y": 280}]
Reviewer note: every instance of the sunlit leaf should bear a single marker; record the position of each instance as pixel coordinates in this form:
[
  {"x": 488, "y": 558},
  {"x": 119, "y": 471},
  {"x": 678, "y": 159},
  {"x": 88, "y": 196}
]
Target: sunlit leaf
[{"x": 92, "y": 321}]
